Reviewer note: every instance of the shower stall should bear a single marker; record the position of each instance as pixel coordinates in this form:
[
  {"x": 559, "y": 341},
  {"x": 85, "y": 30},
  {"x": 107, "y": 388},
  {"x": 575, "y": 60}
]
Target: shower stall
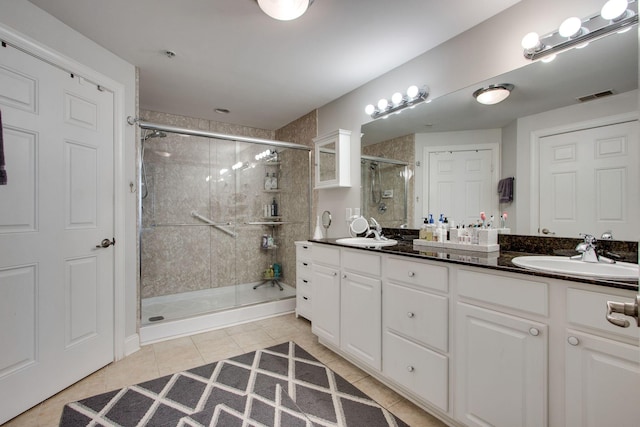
[
  {"x": 219, "y": 215},
  {"x": 384, "y": 184}
]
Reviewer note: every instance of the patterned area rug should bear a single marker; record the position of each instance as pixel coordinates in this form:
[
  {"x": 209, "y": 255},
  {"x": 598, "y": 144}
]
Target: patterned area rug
[{"x": 281, "y": 385}]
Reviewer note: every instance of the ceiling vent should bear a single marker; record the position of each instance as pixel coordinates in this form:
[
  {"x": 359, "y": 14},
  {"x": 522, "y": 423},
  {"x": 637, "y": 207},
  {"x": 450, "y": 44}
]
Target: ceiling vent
[{"x": 595, "y": 96}]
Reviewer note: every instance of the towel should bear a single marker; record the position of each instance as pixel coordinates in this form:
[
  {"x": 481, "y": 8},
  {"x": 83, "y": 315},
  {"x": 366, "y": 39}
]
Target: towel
[
  {"x": 3, "y": 172},
  {"x": 505, "y": 190}
]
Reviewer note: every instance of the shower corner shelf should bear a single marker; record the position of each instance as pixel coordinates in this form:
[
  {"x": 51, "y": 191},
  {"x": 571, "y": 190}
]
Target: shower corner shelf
[{"x": 277, "y": 190}]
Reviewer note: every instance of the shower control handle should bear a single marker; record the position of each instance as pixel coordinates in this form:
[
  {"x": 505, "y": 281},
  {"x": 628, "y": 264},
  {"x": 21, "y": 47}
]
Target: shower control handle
[{"x": 106, "y": 243}]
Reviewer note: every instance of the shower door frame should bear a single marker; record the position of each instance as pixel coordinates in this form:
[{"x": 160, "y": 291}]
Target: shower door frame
[{"x": 211, "y": 135}]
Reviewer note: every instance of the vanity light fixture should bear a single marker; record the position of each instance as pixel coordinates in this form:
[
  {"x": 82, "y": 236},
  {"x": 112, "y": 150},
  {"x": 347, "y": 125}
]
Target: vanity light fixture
[
  {"x": 616, "y": 16},
  {"x": 493, "y": 94},
  {"x": 284, "y": 10},
  {"x": 412, "y": 97}
]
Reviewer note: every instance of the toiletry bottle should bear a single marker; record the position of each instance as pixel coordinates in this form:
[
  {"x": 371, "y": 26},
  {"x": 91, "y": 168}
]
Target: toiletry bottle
[
  {"x": 423, "y": 230},
  {"x": 274, "y": 181},
  {"x": 270, "y": 241},
  {"x": 431, "y": 228},
  {"x": 267, "y": 182},
  {"x": 274, "y": 207}
]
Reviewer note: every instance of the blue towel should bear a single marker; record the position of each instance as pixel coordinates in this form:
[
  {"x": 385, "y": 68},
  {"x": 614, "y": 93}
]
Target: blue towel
[
  {"x": 505, "y": 190},
  {"x": 3, "y": 172}
]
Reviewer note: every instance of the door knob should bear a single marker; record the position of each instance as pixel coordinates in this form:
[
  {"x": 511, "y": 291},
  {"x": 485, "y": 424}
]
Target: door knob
[
  {"x": 547, "y": 231},
  {"x": 626, "y": 308},
  {"x": 106, "y": 243}
]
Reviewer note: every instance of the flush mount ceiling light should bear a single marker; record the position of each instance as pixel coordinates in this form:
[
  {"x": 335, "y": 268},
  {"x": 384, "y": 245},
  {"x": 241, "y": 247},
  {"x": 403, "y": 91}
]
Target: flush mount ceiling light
[
  {"x": 493, "y": 94},
  {"x": 616, "y": 16},
  {"x": 284, "y": 10},
  {"x": 413, "y": 96}
]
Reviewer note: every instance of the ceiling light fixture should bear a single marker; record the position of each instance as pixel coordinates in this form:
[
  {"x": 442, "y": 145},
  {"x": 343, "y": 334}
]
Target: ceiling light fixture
[
  {"x": 493, "y": 94},
  {"x": 412, "y": 97},
  {"x": 284, "y": 10},
  {"x": 616, "y": 16}
]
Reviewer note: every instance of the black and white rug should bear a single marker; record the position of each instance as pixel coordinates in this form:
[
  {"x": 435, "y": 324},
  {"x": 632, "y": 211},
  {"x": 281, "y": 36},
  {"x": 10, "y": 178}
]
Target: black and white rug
[{"x": 278, "y": 386}]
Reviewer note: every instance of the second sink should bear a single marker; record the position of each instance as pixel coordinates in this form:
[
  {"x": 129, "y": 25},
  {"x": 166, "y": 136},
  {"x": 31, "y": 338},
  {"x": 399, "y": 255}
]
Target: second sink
[
  {"x": 564, "y": 265},
  {"x": 365, "y": 242}
]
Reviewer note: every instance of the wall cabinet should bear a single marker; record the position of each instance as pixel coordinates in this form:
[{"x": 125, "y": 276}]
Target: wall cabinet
[{"x": 332, "y": 159}]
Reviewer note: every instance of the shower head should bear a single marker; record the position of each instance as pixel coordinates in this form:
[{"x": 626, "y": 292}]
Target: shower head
[{"x": 154, "y": 134}]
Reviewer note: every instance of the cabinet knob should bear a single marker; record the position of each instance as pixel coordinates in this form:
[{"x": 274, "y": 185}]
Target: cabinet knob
[
  {"x": 410, "y": 314},
  {"x": 410, "y": 368},
  {"x": 344, "y": 276},
  {"x": 534, "y": 331},
  {"x": 412, "y": 274},
  {"x": 573, "y": 340},
  {"x": 335, "y": 273}
]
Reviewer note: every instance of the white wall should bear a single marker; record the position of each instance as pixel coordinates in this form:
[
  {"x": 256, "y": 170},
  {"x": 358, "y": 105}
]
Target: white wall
[
  {"x": 37, "y": 25},
  {"x": 489, "y": 49}
]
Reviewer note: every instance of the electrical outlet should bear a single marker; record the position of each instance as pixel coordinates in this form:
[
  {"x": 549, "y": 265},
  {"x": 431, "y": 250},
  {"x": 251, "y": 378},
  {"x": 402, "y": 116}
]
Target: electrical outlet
[
  {"x": 356, "y": 211},
  {"x": 348, "y": 214}
]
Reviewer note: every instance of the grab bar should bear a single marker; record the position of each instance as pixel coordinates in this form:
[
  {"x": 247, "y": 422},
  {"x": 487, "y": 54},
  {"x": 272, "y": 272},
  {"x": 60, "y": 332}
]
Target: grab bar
[{"x": 220, "y": 227}]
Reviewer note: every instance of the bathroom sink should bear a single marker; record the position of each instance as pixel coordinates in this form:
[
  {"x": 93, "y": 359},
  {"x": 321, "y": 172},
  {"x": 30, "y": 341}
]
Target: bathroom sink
[
  {"x": 365, "y": 242},
  {"x": 574, "y": 267}
]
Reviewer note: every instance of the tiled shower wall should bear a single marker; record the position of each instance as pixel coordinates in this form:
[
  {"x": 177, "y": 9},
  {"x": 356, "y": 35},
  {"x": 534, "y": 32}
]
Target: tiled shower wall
[
  {"x": 401, "y": 148},
  {"x": 180, "y": 253}
]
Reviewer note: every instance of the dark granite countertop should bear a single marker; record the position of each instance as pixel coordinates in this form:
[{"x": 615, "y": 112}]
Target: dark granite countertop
[{"x": 494, "y": 260}]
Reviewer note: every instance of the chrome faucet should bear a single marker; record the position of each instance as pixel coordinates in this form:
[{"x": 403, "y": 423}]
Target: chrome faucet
[
  {"x": 607, "y": 235},
  {"x": 588, "y": 251},
  {"x": 376, "y": 230}
]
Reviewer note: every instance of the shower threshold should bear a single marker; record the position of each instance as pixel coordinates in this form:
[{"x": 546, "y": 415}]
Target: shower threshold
[{"x": 197, "y": 311}]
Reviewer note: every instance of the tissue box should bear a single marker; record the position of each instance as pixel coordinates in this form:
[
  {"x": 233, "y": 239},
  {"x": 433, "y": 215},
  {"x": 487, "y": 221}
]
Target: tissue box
[{"x": 487, "y": 236}]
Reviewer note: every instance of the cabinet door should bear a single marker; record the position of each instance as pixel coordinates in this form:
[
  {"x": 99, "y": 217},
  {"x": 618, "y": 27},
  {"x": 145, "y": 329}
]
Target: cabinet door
[
  {"x": 325, "y": 293},
  {"x": 361, "y": 318},
  {"x": 501, "y": 364},
  {"x": 602, "y": 381}
]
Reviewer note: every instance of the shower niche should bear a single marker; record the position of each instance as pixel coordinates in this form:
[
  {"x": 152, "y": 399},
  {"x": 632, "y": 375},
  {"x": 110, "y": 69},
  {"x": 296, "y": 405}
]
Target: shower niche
[{"x": 205, "y": 208}]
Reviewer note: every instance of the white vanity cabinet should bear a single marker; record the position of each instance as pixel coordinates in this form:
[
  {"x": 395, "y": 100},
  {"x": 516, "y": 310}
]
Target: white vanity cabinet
[
  {"x": 415, "y": 313},
  {"x": 501, "y": 359},
  {"x": 304, "y": 273},
  {"x": 326, "y": 293},
  {"x": 360, "y": 307},
  {"x": 602, "y": 364}
]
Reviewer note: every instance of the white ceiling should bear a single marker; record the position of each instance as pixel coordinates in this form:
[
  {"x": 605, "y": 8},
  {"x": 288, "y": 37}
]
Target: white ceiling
[{"x": 268, "y": 73}]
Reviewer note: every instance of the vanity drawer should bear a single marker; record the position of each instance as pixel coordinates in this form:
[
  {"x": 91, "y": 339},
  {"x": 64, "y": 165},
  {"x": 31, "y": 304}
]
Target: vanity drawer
[
  {"x": 303, "y": 250},
  {"x": 418, "y": 273},
  {"x": 420, "y": 370},
  {"x": 303, "y": 268},
  {"x": 325, "y": 254},
  {"x": 506, "y": 291},
  {"x": 303, "y": 286},
  {"x": 416, "y": 314},
  {"x": 589, "y": 309},
  {"x": 361, "y": 262}
]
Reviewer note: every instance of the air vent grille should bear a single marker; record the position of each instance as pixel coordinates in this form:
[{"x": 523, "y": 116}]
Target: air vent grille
[{"x": 595, "y": 96}]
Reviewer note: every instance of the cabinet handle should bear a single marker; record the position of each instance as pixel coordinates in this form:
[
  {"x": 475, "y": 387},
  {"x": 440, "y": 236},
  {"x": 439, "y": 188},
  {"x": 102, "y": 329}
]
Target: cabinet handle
[
  {"x": 412, "y": 274},
  {"x": 410, "y": 314},
  {"x": 305, "y": 264},
  {"x": 573, "y": 340},
  {"x": 305, "y": 281},
  {"x": 410, "y": 368},
  {"x": 305, "y": 298},
  {"x": 305, "y": 247},
  {"x": 534, "y": 331}
]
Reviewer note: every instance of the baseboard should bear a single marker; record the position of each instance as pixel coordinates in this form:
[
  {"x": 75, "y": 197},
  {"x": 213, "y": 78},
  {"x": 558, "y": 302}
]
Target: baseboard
[{"x": 131, "y": 344}]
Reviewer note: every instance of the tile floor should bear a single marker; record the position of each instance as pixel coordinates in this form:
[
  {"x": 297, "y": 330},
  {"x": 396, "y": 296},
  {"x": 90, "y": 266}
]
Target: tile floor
[{"x": 175, "y": 355}]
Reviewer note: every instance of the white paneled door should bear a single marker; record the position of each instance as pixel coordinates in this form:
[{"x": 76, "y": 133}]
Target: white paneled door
[
  {"x": 589, "y": 182},
  {"x": 56, "y": 286},
  {"x": 461, "y": 185}
]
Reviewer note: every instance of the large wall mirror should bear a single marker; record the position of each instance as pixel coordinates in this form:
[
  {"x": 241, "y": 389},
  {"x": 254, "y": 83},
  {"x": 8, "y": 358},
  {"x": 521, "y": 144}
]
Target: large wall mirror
[{"x": 568, "y": 134}]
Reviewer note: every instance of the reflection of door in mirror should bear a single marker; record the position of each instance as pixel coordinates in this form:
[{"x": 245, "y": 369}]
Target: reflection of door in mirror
[
  {"x": 327, "y": 162},
  {"x": 461, "y": 185},
  {"x": 589, "y": 181}
]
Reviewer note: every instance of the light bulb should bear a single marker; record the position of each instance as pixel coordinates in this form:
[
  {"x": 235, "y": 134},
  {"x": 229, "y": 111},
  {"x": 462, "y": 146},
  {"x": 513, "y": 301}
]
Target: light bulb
[
  {"x": 284, "y": 10},
  {"x": 614, "y": 9},
  {"x": 396, "y": 98},
  {"x": 369, "y": 109},
  {"x": 570, "y": 27},
  {"x": 530, "y": 41},
  {"x": 383, "y": 104},
  {"x": 413, "y": 91}
]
